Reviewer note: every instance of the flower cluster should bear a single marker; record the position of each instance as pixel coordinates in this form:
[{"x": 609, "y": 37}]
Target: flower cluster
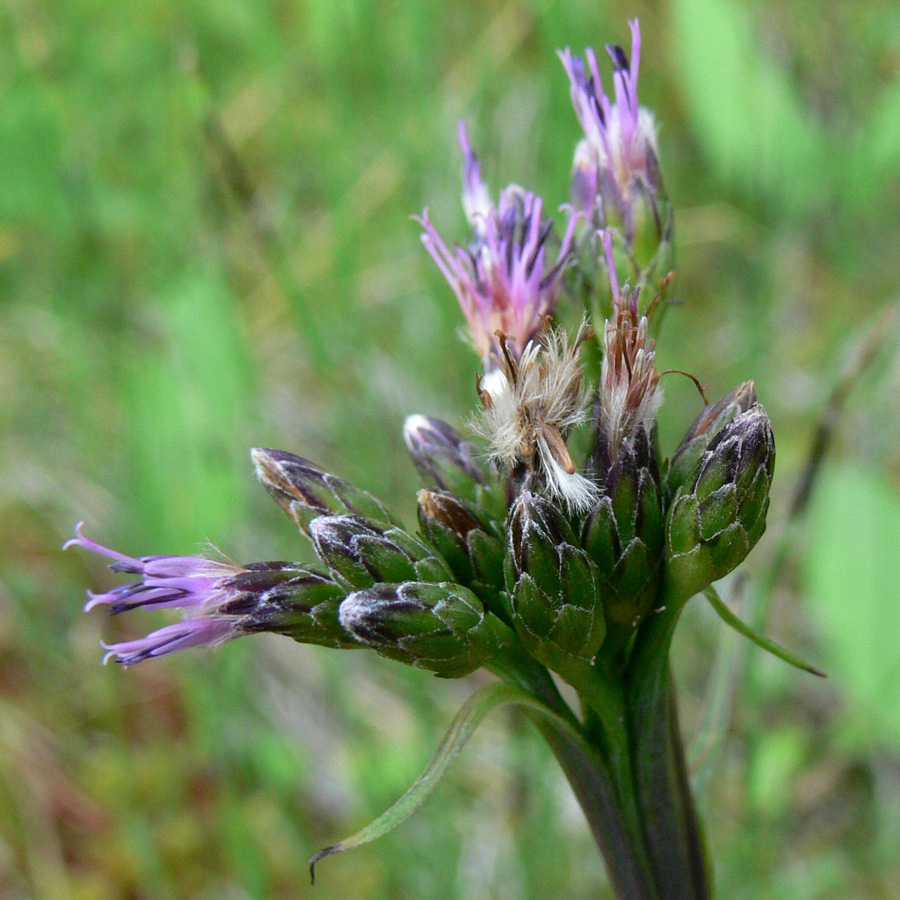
[
  {"x": 436, "y": 600},
  {"x": 555, "y": 537}
]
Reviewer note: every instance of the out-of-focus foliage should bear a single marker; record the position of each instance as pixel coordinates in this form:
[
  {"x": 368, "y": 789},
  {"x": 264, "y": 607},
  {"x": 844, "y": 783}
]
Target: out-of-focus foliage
[
  {"x": 205, "y": 246},
  {"x": 851, "y": 568}
]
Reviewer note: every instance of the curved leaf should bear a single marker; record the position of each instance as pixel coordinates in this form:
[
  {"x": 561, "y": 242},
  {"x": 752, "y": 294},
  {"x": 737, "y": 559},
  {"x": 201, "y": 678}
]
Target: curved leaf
[
  {"x": 729, "y": 618},
  {"x": 484, "y": 701}
]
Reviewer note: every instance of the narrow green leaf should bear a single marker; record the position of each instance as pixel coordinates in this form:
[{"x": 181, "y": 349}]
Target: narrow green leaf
[
  {"x": 729, "y": 618},
  {"x": 480, "y": 704}
]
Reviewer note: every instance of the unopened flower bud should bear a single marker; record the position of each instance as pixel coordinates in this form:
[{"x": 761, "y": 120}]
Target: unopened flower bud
[
  {"x": 624, "y": 534},
  {"x": 361, "y": 552},
  {"x": 716, "y": 520},
  {"x": 438, "y": 627},
  {"x": 445, "y": 460},
  {"x": 471, "y": 549},
  {"x": 704, "y": 430},
  {"x": 557, "y": 610},
  {"x": 304, "y": 491}
]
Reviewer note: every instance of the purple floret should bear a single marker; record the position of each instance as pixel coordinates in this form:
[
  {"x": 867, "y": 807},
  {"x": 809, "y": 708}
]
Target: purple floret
[
  {"x": 502, "y": 280},
  {"x": 618, "y": 155},
  {"x": 196, "y": 585},
  {"x": 206, "y": 631}
]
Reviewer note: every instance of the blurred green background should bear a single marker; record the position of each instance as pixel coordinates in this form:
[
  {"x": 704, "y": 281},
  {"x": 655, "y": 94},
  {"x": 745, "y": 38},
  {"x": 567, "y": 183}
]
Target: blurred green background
[{"x": 205, "y": 246}]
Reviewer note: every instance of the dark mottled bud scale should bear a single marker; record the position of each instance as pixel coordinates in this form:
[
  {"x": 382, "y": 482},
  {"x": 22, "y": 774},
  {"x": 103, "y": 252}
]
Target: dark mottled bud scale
[
  {"x": 703, "y": 431},
  {"x": 444, "y": 459},
  {"x": 470, "y": 546},
  {"x": 360, "y": 552},
  {"x": 624, "y": 533},
  {"x": 715, "y": 521},
  {"x": 439, "y": 627},
  {"x": 305, "y": 492},
  {"x": 298, "y": 601},
  {"x": 450, "y": 464},
  {"x": 557, "y": 611}
]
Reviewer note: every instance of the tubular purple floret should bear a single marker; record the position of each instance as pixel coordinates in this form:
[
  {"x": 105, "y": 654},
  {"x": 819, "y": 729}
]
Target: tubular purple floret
[
  {"x": 476, "y": 199},
  {"x": 206, "y": 631},
  {"x": 196, "y": 585},
  {"x": 503, "y": 280},
  {"x": 606, "y": 240},
  {"x": 166, "y": 581},
  {"x": 625, "y": 81},
  {"x": 591, "y": 103}
]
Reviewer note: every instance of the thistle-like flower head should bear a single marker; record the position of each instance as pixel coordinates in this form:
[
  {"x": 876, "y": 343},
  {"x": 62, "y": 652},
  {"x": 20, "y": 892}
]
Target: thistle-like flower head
[
  {"x": 219, "y": 601},
  {"x": 619, "y": 154},
  {"x": 503, "y": 280},
  {"x": 629, "y": 392},
  {"x": 530, "y": 405}
]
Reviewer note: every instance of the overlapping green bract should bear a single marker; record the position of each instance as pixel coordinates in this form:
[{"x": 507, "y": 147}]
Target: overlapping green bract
[
  {"x": 556, "y": 579},
  {"x": 299, "y": 601},
  {"x": 554, "y": 586},
  {"x": 440, "y": 627},
  {"x": 624, "y": 533},
  {"x": 719, "y": 513}
]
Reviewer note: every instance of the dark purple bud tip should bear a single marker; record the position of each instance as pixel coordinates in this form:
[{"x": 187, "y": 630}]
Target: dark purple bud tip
[
  {"x": 620, "y": 60},
  {"x": 441, "y": 454},
  {"x": 288, "y": 477}
]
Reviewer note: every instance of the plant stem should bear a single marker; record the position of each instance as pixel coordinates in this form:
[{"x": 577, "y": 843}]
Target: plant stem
[
  {"x": 667, "y": 806},
  {"x": 614, "y": 827}
]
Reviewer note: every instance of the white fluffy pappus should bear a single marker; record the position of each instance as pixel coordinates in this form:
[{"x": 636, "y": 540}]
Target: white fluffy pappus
[
  {"x": 630, "y": 395},
  {"x": 529, "y": 407}
]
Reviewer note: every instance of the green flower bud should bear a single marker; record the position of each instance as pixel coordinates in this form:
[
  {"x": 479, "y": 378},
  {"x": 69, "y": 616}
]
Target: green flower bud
[
  {"x": 473, "y": 553},
  {"x": 439, "y": 627},
  {"x": 298, "y": 601},
  {"x": 361, "y": 552},
  {"x": 305, "y": 492},
  {"x": 716, "y": 520},
  {"x": 557, "y": 611},
  {"x": 703, "y": 432},
  {"x": 445, "y": 460},
  {"x": 624, "y": 534}
]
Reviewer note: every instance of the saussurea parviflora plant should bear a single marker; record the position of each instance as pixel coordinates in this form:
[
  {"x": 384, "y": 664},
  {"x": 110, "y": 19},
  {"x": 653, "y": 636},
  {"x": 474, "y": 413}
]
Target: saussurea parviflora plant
[{"x": 532, "y": 559}]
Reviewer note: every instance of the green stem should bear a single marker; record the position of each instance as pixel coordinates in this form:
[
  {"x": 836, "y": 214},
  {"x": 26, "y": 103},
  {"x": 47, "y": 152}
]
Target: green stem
[
  {"x": 613, "y": 825},
  {"x": 670, "y": 819}
]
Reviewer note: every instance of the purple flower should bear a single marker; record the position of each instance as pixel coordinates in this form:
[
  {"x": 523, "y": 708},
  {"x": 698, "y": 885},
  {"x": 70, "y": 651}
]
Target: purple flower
[
  {"x": 201, "y": 588},
  {"x": 502, "y": 279},
  {"x": 618, "y": 159}
]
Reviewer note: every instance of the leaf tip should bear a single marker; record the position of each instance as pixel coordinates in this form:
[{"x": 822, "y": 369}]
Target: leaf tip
[{"x": 328, "y": 851}]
